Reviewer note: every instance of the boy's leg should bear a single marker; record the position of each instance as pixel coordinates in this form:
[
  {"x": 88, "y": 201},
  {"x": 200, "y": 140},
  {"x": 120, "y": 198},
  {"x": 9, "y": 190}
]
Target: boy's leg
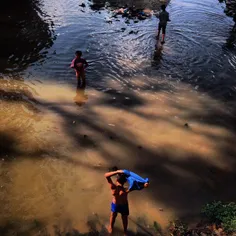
[
  {"x": 82, "y": 75},
  {"x": 77, "y": 73},
  {"x": 159, "y": 31},
  {"x": 78, "y": 83},
  {"x": 125, "y": 223},
  {"x": 124, "y": 215},
  {"x": 163, "y": 33},
  {"x": 112, "y": 221},
  {"x": 163, "y": 38}
]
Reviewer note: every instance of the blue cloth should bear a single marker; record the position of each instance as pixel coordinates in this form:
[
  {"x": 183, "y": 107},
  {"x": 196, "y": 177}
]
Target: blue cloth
[
  {"x": 135, "y": 181},
  {"x": 122, "y": 209}
]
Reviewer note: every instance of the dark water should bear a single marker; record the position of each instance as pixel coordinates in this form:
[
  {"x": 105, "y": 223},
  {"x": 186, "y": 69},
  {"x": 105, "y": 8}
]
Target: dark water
[
  {"x": 39, "y": 43},
  {"x": 25, "y": 34}
]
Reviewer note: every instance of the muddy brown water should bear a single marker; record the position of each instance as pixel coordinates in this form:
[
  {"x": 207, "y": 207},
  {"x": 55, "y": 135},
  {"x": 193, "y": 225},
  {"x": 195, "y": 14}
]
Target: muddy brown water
[{"x": 56, "y": 144}]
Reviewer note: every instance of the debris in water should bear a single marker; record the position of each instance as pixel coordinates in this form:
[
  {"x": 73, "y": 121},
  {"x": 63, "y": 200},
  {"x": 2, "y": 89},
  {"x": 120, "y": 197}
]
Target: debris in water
[
  {"x": 82, "y": 5},
  {"x": 74, "y": 122},
  {"x": 109, "y": 21},
  {"x": 132, "y": 13},
  {"x": 186, "y": 125}
]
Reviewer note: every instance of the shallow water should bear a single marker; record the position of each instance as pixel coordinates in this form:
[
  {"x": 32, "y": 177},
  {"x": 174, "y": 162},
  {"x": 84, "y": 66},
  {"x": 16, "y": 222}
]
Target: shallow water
[
  {"x": 56, "y": 144},
  {"x": 195, "y": 51}
]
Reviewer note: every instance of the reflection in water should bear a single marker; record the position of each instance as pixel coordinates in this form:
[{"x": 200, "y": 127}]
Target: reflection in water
[
  {"x": 80, "y": 97},
  {"x": 157, "y": 57},
  {"x": 24, "y": 34}
]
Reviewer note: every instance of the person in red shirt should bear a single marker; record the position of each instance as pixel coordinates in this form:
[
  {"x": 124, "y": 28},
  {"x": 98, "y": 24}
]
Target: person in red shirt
[{"x": 79, "y": 64}]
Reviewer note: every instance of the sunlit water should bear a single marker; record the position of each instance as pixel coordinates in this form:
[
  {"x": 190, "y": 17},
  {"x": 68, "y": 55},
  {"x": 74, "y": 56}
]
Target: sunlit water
[
  {"x": 194, "y": 53},
  {"x": 138, "y": 98}
]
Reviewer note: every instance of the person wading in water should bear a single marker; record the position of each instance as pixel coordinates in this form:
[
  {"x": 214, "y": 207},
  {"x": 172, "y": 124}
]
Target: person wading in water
[
  {"x": 164, "y": 18},
  {"x": 79, "y": 65}
]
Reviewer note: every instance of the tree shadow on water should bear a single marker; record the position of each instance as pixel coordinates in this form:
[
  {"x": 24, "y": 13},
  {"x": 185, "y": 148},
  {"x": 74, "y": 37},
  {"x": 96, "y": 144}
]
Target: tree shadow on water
[
  {"x": 39, "y": 228},
  {"x": 181, "y": 178},
  {"x": 183, "y": 182}
]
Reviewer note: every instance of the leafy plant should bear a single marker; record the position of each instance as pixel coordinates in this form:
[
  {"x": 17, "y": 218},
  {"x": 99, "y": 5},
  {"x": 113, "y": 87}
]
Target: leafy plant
[
  {"x": 221, "y": 213},
  {"x": 157, "y": 228},
  {"x": 178, "y": 228}
]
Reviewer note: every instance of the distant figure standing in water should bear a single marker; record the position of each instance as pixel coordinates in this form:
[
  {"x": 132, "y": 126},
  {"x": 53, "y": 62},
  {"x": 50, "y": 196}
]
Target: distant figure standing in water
[
  {"x": 164, "y": 18},
  {"x": 79, "y": 65}
]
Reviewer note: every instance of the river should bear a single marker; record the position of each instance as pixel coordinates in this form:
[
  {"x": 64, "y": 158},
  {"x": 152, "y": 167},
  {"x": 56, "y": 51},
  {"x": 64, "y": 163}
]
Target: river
[{"x": 166, "y": 112}]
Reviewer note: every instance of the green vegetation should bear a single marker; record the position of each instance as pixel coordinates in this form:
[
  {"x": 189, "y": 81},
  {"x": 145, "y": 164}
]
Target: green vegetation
[
  {"x": 177, "y": 228},
  {"x": 218, "y": 218},
  {"x": 157, "y": 228},
  {"x": 223, "y": 214}
]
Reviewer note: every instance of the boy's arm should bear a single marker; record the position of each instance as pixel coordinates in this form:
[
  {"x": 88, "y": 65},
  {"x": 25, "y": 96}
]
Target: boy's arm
[
  {"x": 157, "y": 14},
  {"x": 85, "y": 64},
  {"x": 72, "y": 64},
  {"x": 112, "y": 173},
  {"x": 168, "y": 17},
  {"x": 108, "y": 176}
]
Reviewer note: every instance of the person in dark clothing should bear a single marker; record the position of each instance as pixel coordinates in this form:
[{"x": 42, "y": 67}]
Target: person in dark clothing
[
  {"x": 164, "y": 18},
  {"x": 79, "y": 64}
]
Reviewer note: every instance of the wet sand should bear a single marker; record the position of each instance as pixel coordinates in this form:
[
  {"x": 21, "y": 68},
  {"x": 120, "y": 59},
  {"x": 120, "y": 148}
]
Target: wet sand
[{"x": 54, "y": 153}]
